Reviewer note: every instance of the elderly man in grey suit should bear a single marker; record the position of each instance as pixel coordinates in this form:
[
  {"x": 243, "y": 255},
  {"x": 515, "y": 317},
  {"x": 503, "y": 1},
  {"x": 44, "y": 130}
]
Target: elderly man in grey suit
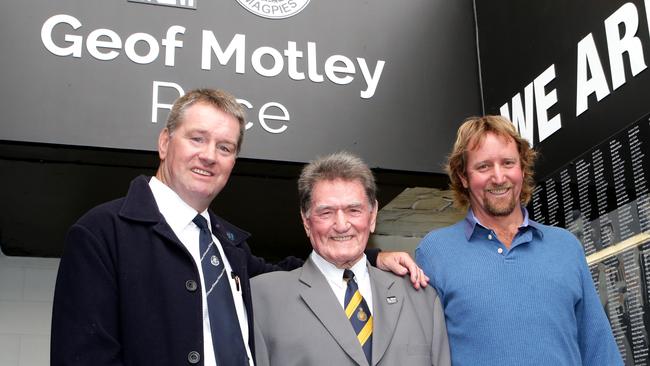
[{"x": 321, "y": 314}]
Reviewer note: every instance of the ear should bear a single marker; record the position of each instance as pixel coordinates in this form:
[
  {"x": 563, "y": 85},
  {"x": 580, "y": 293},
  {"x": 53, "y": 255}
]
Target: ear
[
  {"x": 463, "y": 180},
  {"x": 373, "y": 217},
  {"x": 163, "y": 143},
  {"x": 305, "y": 223}
]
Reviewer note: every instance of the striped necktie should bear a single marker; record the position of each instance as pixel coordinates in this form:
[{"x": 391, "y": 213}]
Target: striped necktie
[
  {"x": 229, "y": 348},
  {"x": 358, "y": 313}
]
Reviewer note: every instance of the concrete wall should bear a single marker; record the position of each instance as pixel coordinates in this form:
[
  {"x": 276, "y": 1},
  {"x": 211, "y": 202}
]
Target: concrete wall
[{"x": 26, "y": 290}]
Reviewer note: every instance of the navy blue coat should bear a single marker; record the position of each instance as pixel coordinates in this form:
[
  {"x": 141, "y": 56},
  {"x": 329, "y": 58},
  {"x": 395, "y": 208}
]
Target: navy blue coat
[{"x": 128, "y": 292}]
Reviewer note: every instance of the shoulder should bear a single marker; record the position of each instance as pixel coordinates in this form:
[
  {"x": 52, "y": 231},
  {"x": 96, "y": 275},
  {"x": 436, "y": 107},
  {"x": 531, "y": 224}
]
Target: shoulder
[
  {"x": 119, "y": 216},
  {"x": 420, "y": 306},
  {"x": 272, "y": 289},
  {"x": 238, "y": 235},
  {"x": 102, "y": 215},
  {"x": 423, "y": 295},
  {"x": 554, "y": 232},
  {"x": 92, "y": 241},
  {"x": 137, "y": 205},
  {"x": 442, "y": 235},
  {"x": 275, "y": 279},
  {"x": 440, "y": 242},
  {"x": 426, "y": 296},
  {"x": 557, "y": 236}
]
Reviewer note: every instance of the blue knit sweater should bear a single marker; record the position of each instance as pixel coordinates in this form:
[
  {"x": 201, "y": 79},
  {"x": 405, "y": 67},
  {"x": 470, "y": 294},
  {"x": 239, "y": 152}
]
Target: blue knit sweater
[{"x": 534, "y": 304}]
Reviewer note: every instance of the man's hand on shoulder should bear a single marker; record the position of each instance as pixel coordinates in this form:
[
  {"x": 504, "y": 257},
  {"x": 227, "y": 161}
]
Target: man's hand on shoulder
[{"x": 401, "y": 263}]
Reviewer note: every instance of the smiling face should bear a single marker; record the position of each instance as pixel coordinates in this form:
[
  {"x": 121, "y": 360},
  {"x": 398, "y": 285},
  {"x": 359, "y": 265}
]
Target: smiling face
[
  {"x": 339, "y": 221},
  {"x": 494, "y": 178},
  {"x": 197, "y": 157}
]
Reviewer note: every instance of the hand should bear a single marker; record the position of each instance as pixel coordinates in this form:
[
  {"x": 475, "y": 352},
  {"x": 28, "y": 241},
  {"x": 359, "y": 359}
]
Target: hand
[{"x": 401, "y": 263}]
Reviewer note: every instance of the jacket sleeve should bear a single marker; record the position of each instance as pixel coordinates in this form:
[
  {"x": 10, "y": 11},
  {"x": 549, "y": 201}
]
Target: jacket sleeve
[
  {"x": 440, "y": 353},
  {"x": 261, "y": 349},
  {"x": 85, "y": 319}
]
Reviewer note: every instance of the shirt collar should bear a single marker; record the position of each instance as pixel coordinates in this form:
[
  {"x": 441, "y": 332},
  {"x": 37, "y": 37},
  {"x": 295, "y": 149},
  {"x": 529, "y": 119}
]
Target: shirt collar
[
  {"x": 176, "y": 212},
  {"x": 335, "y": 275},
  {"x": 471, "y": 221}
]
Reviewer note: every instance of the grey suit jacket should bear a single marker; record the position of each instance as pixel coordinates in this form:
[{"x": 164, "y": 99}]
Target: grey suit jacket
[{"x": 299, "y": 321}]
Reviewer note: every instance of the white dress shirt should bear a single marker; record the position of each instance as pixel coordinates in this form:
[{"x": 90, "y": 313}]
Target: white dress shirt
[
  {"x": 179, "y": 216},
  {"x": 334, "y": 277}
]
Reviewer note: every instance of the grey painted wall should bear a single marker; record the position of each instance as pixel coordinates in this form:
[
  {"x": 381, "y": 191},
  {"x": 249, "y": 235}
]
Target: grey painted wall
[
  {"x": 388, "y": 80},
  {"x": 76, "y": 130}
]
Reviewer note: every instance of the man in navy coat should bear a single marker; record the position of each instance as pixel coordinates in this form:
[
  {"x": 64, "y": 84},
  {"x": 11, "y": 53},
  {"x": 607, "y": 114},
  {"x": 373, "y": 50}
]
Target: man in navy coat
[{"x": 129, "y": 291}]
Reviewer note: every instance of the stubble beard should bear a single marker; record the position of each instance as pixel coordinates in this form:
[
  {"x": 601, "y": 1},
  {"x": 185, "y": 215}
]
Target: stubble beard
[{"x": 500, "y": 207}]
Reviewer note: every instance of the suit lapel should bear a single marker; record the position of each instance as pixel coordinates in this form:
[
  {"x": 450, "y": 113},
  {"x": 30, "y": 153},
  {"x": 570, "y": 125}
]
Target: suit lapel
[
  {"x": 387, "y": 299},
  {"x": 318, "y": 296}
]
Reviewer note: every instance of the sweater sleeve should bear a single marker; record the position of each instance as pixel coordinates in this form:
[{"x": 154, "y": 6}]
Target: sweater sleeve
[
  {"x": 424, "y": 255},
  {"x": 595, "y": 338}
]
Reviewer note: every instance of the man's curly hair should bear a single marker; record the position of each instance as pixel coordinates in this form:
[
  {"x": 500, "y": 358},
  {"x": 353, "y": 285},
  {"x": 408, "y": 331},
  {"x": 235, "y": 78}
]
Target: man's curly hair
[{"x": 470, "y": 135}]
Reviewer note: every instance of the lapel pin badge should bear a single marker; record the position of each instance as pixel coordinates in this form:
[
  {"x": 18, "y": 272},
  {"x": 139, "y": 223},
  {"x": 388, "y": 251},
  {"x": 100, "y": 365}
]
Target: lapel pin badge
[{"x": 391, "y": 300}]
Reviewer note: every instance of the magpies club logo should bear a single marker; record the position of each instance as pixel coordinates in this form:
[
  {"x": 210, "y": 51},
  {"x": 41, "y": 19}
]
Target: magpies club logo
[{"x": 274, "y": 9}]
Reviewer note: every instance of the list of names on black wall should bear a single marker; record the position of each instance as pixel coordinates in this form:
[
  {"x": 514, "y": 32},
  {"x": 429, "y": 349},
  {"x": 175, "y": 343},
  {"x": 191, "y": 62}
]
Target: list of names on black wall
[
  {"x": 584, "y": 176},
  {"x": 603, "y": 197},
  {"x": 639, "y": 172}
]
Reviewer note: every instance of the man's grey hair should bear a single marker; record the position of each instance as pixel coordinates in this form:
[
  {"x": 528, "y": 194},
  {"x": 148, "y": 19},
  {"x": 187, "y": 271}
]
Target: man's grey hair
[{"x": 341, "y": 165}]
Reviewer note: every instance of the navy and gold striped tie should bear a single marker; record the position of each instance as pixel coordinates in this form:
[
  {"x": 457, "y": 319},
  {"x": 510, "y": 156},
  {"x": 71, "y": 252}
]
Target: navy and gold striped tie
[{"x": 357, "y": 311}]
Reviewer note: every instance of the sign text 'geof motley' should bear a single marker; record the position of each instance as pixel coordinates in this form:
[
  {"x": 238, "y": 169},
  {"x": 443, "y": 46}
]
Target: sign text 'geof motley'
[{"x": 63, "y": 35}]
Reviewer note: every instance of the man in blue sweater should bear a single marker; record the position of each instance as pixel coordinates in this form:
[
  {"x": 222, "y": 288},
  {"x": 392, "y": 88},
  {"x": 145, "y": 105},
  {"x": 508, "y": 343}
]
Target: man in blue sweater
[{"x": 514, "y": 292}]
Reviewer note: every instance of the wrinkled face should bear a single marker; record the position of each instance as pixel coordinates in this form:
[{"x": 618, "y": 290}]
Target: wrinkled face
[
  {"x": 197, "y": 158},
  {"x": 340, "y": 221},
  {"x": 494, "y": 177}
]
